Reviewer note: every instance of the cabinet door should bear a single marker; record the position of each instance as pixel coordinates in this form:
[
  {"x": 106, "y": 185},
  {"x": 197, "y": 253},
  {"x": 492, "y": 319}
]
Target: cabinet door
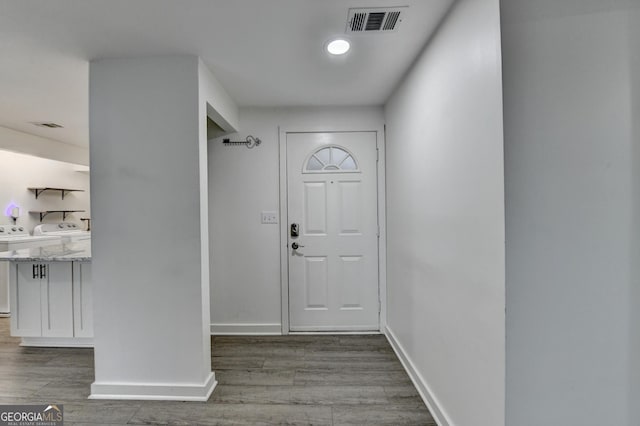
[
  {"x": 4, "y": 289},
  {"x": 57, "y": 300},
  {"x": 26, "y": 318},
  {"x": 82, "y": 300}
]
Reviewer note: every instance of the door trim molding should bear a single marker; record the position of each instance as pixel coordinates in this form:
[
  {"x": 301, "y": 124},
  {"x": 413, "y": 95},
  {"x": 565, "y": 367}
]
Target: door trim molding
[
  {"x": 284, "y": 223},
  {"x": 284, "y": 238}
]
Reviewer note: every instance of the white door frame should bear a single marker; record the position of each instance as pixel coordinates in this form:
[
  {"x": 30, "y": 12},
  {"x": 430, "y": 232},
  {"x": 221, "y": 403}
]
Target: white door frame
[{"x": 284, "y": 220}]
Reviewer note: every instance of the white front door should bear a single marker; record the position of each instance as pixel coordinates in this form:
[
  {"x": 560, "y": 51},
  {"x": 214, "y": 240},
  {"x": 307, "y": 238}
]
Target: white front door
[{"x": 332, "y": 208}]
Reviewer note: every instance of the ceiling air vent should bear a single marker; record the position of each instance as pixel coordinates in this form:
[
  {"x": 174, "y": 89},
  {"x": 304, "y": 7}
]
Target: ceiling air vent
[
  {"x": 48, "y": 124},
  {"x": 375, "y": 20}
]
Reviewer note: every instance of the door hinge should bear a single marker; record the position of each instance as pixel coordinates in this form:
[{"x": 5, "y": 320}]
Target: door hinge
[
  {"x": 377, "y": 155},
  {"x": 378, "y": 231}
]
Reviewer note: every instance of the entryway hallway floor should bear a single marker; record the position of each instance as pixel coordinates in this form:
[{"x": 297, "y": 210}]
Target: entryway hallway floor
[{"x": 271, "y": 380}]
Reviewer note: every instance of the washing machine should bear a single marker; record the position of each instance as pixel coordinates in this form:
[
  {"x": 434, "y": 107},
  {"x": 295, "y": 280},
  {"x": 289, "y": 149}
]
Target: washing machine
[{"x": 68, "y": 231}]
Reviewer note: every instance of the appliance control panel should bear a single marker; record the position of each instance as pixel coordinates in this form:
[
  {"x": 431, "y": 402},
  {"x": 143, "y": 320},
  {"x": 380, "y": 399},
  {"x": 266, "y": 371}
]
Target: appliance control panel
[
  {"x": 13, "y": 230},
  {"x": 56, "y": 228}
]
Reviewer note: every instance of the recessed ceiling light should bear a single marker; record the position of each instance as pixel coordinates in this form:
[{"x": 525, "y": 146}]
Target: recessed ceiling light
[{"x": 338, "y": 46}]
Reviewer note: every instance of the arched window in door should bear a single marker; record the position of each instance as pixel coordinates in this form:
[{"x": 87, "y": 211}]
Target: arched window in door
[{"x": 331, "y": 159}]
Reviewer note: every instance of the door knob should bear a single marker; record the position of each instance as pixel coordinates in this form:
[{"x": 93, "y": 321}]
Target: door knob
[{"x": 295, "y": 246}]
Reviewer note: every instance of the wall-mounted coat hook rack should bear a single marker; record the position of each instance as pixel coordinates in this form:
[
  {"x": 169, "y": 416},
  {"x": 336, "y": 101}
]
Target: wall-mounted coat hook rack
[{"x": 250, "y": 142}]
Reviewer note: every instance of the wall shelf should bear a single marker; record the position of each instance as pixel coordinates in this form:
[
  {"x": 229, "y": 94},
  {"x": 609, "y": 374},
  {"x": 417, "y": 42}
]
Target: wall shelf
[
  {"x": 64, "y": 191},
  {"x": 65, "y": 213}
]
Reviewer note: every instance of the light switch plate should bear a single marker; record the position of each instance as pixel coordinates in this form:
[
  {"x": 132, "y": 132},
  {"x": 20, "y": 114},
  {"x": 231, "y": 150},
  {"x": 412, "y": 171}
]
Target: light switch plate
[{"x": 269, "y": 217}]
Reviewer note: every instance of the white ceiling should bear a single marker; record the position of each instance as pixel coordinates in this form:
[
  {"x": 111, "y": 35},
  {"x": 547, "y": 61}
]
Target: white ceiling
[{"x": 264, "y": 52}]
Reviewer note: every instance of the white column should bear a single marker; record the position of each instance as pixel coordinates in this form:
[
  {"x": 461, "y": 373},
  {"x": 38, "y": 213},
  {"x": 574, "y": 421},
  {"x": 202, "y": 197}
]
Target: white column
[
  {"x": 571, "y": 181},
  {"x": 150, "y": 276}
]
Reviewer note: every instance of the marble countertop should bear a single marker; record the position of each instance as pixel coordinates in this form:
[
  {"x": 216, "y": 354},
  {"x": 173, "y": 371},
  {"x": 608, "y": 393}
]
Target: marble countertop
[{"x": 67, "y": 252}]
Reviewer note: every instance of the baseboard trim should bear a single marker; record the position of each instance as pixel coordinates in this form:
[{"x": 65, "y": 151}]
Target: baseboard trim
[
  {"x": 246, "y": 329},
  {"x": 355, "y": 329},
  {"x": 155, "y": 392},
  {"x": 419, "y": 382},
  {"x": 57, "y": 342},
  {"x": 331, "y": 333}
]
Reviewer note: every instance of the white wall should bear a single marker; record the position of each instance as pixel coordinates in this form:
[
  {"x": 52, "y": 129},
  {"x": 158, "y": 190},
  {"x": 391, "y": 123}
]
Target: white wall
[
  {"x": 150, "y": 310},
  {"x": 21, "y": 171},
  {"x": 13, "y": 140},
  {"x": 445, "y": 218},
  {"x": 571, "y": 178},
  {"x": 219, "y": 106},
  {"x": 634, "y": 299},
  {"x": 213, "y": 104},
  {"x": 245, "y": 255}
]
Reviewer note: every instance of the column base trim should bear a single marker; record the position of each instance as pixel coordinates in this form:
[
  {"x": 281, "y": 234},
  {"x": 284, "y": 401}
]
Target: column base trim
[{"x": 155, "y": 392}]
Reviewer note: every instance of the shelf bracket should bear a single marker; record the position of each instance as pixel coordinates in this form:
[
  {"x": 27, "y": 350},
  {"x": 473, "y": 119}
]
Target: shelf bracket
[
  {"x": 64, "y": 213},
  {"x": 63, "y": 191}
]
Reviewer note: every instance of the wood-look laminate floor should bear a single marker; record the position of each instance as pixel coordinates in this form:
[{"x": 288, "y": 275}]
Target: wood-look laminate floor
[{"x": 293, "y": 380}]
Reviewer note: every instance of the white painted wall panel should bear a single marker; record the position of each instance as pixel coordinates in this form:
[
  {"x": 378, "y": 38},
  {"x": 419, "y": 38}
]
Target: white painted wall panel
[
  {"x": 445, "y": 209},
  {"x": 571, "y": 181},
  {"x": 242, "y": 183},
  {"x": 634, "y": 299},
  {"x": 145, "y": 155},
  {"x": 214, "y": 104}
]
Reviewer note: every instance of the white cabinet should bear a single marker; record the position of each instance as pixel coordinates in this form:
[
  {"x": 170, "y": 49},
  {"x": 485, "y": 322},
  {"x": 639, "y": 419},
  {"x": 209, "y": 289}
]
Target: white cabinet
[
  {"x": 52, "y": 303},
  {"x": 4, "y": 289},
  {"x": 43, "y": 299},
  {"x": 26, "y": 290},
  {"x": 82, "y": 300},
  {"x": 57, "y": 300}
]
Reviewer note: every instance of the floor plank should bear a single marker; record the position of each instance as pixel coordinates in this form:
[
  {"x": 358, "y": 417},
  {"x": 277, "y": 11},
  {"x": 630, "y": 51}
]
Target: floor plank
[
  {"x": 389, "y": 414},
  {"x": 318, "y": 395},
  {"x": 232, "y": 414}
]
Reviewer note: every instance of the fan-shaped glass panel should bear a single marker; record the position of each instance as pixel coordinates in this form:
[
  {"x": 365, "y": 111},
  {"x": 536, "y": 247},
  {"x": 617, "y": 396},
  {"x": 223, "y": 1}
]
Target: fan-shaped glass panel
[
  {"x": 324, "y": 155},
  {"x": 348, "y": 164},
  {"x": 331, "y": 159},
  {"x": 314, "y": 164},
  {"x": 338, "y": 155}
]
